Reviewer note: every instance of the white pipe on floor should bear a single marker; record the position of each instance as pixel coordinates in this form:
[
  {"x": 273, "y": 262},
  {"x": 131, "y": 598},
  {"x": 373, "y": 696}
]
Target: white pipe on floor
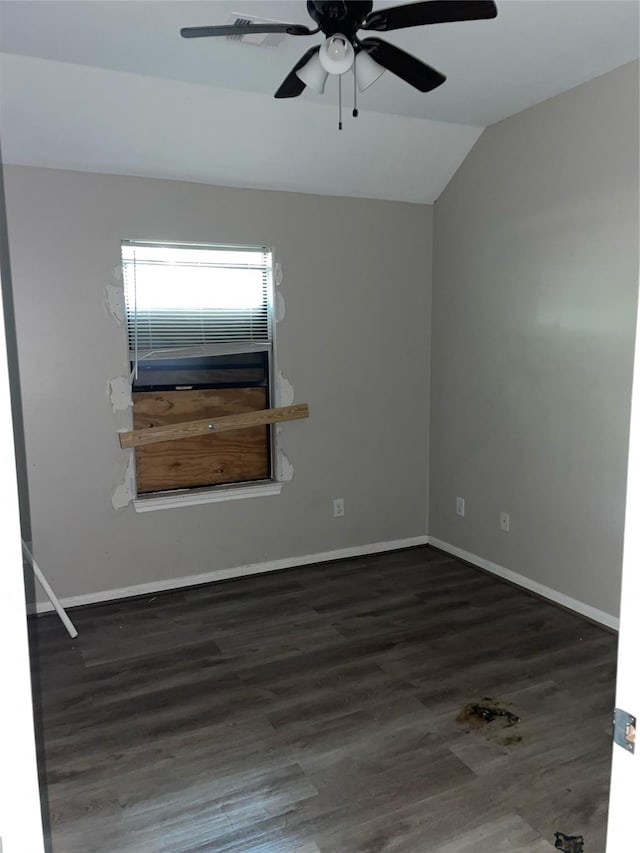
[{"x": 53, "y": 598}]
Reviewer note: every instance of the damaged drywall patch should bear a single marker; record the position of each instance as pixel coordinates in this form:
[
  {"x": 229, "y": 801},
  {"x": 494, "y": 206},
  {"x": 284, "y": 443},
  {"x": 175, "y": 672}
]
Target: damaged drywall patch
[
  {"x": 285, "y": 396},
  {"x": 284, "y": 468},
  {"x": 113, "y": 303},
  {"x": 126, "y": 491},
  {"x": 286, "y": 471},
  {"x": 279, "y": 307},
  {"x": 284, "y": 390},
  {"x": 119, "y": 391}
]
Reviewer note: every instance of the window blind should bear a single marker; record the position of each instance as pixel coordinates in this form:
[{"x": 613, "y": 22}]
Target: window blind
[{"x": 184, "y": 300}]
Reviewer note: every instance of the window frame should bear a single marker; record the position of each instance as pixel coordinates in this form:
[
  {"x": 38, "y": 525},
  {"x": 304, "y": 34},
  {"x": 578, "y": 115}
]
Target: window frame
[{"x": 194, "y": 495}]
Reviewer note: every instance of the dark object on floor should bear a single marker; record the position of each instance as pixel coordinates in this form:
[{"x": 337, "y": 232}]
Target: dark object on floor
[
  {"x": 486, "y": 713},
  {"x": 569, "y": 843}
]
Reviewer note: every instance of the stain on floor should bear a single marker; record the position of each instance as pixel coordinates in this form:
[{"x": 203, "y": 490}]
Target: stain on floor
[{"x": 476, "y": 714}]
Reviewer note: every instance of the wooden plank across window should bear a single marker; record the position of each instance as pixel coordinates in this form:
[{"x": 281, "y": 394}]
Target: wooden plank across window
[
  {"x": 226, "y": 423},
  {"x": 200, "y": 460}
]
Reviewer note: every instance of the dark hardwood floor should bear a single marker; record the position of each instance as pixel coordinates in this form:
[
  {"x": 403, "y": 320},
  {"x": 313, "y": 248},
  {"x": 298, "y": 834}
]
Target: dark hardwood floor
[{"x": 314, "y": 711}]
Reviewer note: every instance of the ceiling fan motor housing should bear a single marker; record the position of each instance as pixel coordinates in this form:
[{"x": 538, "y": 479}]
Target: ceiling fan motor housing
[{"x": 334, "y": 16}]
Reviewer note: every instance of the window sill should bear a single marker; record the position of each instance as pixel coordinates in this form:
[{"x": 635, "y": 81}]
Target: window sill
[{"x": 150, "y": 503}]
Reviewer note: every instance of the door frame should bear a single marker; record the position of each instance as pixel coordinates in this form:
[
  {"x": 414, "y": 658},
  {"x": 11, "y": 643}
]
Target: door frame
[
  {"x": 625, "y": 766},
  {"x": 20, "y": 807}
]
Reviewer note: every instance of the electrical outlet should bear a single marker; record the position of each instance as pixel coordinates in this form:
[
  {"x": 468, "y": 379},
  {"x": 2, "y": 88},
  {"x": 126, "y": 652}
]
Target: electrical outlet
[
  {"x": 338, "y": 507},
  {"x": 505, "y": 521},
  {"x": 460, "y": 506}
]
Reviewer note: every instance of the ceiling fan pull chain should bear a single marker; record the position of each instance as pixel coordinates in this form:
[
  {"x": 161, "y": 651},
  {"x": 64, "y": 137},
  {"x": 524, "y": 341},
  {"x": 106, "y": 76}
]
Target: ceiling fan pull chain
[
  {"x": 355, "y": 90},
  {"x": 339, "y": 101}
]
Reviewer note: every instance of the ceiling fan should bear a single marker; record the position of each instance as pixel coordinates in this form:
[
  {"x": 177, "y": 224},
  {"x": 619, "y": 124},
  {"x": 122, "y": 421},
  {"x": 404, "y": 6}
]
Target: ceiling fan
[{"x": 340, "y": 21}]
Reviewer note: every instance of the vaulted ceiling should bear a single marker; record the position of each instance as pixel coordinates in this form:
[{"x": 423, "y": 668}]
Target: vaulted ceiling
[{"x": 111, "y": 87}]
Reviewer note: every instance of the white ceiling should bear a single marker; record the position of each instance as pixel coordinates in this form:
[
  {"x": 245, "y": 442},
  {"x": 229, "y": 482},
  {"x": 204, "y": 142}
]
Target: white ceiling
[
  {"x": 111, "y": 86},
  {"x": 73, "y": 117},
  {"x": 533, "y": 50}
]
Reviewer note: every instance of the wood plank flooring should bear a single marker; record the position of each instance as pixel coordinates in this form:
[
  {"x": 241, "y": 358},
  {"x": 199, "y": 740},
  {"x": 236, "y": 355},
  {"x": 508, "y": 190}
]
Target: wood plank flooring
[{"x": 314, "y": 711}]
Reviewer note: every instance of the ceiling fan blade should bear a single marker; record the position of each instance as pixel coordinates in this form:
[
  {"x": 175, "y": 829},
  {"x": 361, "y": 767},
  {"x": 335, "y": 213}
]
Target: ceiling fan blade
[
  {"x": 292, "y": 85},
  {"x": 244, "y": 29},
  {"x": 413, "y": 71},
  {"x": 430, "y": 12}
]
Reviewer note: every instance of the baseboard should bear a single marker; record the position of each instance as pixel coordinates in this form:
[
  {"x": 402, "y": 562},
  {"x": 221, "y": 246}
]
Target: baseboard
[
  {"x": 153, "y": 587},
  {"x": 226, "y": 574},
  {"x": 560, "y": 598}
]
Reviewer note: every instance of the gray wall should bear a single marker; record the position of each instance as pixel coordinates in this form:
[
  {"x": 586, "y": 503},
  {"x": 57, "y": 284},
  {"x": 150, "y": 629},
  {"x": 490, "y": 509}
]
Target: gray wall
[
  {"x": 353, "y": 344},
  {"x": 534, "y": 300}
]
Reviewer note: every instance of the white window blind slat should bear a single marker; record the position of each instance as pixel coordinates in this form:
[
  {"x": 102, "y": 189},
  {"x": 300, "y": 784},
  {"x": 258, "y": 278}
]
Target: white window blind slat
[
  {"x": 180, "y": 299},
  {"x": 232, "y": 348}
]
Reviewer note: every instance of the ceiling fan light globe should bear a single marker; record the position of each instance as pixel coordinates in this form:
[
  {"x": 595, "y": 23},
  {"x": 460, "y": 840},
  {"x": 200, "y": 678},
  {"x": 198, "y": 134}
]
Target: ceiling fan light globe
[
  {"x": 313, "y": 74},
  {"x": 337, "y": 49},
  {"x": 336, "y": 54},
  {"x": 367, "y": 70}
]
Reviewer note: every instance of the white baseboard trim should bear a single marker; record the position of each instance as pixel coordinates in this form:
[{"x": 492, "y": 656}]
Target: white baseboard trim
[
  {"x": 225, "y": 574},
  {"x": 587, "y": 610}
]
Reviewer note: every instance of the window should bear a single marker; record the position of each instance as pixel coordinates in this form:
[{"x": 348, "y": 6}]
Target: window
[{"x": 200, "y": 330}]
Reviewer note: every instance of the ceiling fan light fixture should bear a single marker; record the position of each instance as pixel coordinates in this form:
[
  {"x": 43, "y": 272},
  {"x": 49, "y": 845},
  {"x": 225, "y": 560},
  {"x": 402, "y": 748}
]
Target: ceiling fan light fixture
[
  {"x": 313, "y": 74},
  {"x": 367, "y": 70},
  {"x": 336, "y": 54}
]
